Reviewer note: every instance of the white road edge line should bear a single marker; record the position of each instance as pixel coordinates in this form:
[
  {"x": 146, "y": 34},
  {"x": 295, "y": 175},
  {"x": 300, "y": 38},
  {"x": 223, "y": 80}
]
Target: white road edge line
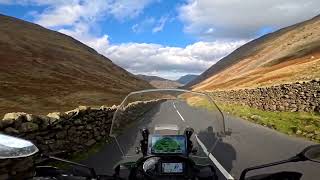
[
  {"x": 178, "y": 112},
  {"x": 212, "y": 158}
]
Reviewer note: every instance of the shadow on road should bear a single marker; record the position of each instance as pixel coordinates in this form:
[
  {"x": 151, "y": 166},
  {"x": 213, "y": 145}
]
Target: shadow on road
[{"x": 223, "y": 152}]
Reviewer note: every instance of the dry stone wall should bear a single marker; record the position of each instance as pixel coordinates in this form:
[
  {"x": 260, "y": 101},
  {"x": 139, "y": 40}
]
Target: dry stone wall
[
  {"x": 68, "y": 132},
  {"x": 300, "y": 96}
]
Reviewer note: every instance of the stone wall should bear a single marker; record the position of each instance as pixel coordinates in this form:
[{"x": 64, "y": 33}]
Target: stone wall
[
  {"x": 68, "y": 132},
  {"x": 300, "y": 96}
]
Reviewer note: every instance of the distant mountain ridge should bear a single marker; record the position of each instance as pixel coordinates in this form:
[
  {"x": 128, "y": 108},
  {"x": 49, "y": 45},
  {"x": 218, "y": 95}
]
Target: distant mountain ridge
[
  {"x": 43, "y": 71},
  {"x": 159, "y": 82},
  {"x": 187, "y": 78},
  {"x": 287, "y": 55}
]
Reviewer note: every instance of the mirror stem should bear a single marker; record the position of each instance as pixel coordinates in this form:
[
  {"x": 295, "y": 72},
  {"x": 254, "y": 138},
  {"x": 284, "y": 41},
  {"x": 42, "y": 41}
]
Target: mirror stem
[
  {"x": 93, "y": 173},
  {"x": 293, "y": 159}
]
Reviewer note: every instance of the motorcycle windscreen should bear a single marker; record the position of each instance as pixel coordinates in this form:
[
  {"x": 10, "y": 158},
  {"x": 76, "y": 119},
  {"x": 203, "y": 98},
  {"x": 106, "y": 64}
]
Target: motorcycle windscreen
[{"x": 167, "y": 112}]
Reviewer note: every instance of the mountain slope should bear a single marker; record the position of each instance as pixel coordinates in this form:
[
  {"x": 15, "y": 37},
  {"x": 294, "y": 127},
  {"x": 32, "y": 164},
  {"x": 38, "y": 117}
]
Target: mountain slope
[
  {"x": 159, "y": 82},
  {"x": 43, "y": 71},
  {"x": 289, "y": 54},
  {"x": 187, "y": 78}
]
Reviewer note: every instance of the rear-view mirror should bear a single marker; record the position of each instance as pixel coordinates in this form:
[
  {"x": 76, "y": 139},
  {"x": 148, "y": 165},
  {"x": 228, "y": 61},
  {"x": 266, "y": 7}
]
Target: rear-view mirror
[
  {"x": 312, "y": 153},
  {"x": 12, "y": 147}
]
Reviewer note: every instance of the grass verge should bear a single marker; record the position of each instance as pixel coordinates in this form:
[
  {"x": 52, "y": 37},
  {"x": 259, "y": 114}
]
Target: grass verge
[{"x": 301, "y": 124}]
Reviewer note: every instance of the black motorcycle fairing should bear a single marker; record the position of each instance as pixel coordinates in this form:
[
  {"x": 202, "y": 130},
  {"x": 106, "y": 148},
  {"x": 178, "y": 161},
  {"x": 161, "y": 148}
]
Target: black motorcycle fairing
[
  {"x": 191, "y": 169},
  {"x": 49, "y": 171},
  {"x": 285, "y": 175}
]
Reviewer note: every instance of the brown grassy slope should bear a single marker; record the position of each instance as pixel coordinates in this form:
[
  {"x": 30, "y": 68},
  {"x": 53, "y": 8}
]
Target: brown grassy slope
[
  {"x": 43, "y": 71},
  {"x": 290, "y": 54},
  {"x": 159, "y": 82}
]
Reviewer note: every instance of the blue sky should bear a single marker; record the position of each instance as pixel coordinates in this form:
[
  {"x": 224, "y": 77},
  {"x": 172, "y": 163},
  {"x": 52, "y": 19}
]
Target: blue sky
[{"x": 167, "y": 38}]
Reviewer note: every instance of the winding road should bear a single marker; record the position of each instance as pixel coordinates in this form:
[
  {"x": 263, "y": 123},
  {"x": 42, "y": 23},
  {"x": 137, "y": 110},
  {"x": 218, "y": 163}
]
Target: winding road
[{"x": 247, "y": 145}]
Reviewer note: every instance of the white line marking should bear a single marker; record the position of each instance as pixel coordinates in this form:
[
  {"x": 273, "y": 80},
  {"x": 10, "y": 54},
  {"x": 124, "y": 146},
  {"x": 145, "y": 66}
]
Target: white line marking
[
  {"x": 212, "y": 158},
  {"x": 178, "y": 112}
]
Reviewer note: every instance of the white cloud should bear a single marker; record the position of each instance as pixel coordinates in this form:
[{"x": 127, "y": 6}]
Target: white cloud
[
  {"x": 145, "y": 25},
  {"x": 169, "y": 62},
  {"x": 243, "y": 19},
  {"x": 59, "y": 16},
  {"x": 81, "y": 33},
  {"x": 160, "y": 24},
  {"x": 68, "y": 12},
  {"x": 128, "y": 8}
]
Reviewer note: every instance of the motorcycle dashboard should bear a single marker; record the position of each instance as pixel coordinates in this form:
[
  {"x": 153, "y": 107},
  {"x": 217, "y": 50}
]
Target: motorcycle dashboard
[
  {"x": 167, "y": 144},
  {"x": 171, "y": 167}
]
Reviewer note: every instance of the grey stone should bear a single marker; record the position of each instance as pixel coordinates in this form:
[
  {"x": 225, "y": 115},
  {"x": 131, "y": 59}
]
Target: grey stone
[
  {"x": 281, "y": 108},
  {"x": 11, "y": 130},
  {"x": 50, "y": 141},
  {"x": 58, "y": 127},
  {"x": 6, "y": 123},
  {"x": 273, "y": 107},
  {"x": 83, "y": 109},
  {"x": 55, "y": 115},
  {"x": 44, "y": 122},
  {"x": 10, "y": 118},
  {"x": 61, "y": 135},
  {"x": 28, "y": 127},
  {"x": 89, "y": 127},
  {"x": 286, "y": 96},
  {"x": 72, "y": 113},
  {"x": 14, "y": 116},
  {"x": 90, "y": 142},
  {"x": 60, "y": 143},
  {"x": 98, "y": 138},
  {"x": 78, "y": 122},
  {"x": 299, "y": 132},
  {"x": 309, "y": 128},
  {"x": 32, "y": 118},
  {"x": 256, "y": 117},
  {"x": 310, "y": 135}
]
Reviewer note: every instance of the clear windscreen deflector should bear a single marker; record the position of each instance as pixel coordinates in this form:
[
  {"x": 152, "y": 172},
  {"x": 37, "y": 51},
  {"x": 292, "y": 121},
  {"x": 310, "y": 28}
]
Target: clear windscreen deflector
[{"x": 167, "y": 112}]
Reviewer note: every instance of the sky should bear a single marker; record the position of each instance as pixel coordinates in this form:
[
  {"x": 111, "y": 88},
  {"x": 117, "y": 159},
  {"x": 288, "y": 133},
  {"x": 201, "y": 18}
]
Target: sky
[{"x": 166, "y": 38}]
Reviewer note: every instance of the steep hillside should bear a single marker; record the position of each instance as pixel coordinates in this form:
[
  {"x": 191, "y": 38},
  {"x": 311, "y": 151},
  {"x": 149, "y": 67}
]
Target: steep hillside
[
  {"x": 287, "y": 55},
  {"x": 44, "y": 71},
  {"x": 187, "y": 78},
  {"x": 159, "y": 82}
]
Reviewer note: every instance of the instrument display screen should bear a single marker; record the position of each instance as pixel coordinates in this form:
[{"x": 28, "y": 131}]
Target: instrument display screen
[{"x": 172, "y": 167}]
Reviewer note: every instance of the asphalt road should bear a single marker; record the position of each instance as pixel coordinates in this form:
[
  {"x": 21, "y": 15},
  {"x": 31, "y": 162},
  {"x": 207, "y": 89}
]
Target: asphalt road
[{"x": 248, "y": 144}]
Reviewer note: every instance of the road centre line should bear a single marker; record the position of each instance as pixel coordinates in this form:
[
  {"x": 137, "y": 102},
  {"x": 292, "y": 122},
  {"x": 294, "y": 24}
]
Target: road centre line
[
  {"x": 212, "y": 158},
  {"x": 178, "y": 112}
]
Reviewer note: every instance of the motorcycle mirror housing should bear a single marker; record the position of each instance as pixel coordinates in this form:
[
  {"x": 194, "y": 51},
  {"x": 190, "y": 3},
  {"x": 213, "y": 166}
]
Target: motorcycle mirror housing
[
  {"x": 312, "y": 153},
  {"x": 12, "y": 147}
]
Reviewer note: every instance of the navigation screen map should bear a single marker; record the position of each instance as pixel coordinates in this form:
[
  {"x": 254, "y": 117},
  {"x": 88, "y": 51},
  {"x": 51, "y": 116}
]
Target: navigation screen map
[{"x": 173, "y": 144}]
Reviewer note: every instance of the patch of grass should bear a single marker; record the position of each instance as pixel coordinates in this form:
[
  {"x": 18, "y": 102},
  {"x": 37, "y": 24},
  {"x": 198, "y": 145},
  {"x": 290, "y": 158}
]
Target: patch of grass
[{"x": 300, "y": 124}]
